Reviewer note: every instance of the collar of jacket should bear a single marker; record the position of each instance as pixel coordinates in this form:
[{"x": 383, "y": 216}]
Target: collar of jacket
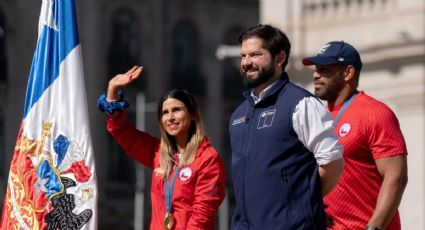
[
  {"x": 272, "y": 91},
  {"x": 203, "y": 145}
]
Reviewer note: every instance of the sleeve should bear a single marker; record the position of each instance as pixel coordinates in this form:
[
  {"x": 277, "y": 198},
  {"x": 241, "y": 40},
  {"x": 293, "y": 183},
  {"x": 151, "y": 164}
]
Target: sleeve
[
  {"x": 209, "y": 193},
  {"x": 137, "y": 144},
  {"x": 314, "y": 127},
  {"x": 385, "y": 137}
]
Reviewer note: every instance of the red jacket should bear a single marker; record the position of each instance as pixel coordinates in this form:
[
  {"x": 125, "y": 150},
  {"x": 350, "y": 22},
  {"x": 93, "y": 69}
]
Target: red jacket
[{"x": 199, "y": 188}]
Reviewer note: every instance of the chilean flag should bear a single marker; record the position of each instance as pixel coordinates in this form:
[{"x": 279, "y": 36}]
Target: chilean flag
[{"x": 52, "y": 180}]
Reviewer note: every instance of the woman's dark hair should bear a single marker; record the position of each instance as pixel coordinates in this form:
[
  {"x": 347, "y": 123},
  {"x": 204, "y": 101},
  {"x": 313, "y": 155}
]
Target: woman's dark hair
[
  {"x": 196, "y": 132},
  {"x": 182, "y": 95}
]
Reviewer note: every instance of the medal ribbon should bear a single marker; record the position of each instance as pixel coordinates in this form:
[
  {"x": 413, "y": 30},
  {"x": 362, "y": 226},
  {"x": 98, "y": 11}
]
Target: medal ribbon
[
  {"x": 345, "y": 106},
  {"x": 168, "y": 190}
]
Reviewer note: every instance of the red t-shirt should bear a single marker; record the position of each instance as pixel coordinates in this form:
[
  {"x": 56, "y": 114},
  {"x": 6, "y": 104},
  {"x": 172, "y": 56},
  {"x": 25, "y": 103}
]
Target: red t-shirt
[{"x": 368, "y": 130}]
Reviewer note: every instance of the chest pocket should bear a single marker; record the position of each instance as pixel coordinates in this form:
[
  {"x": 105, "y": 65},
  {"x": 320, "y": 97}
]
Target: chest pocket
[{"x": 266, "y": 119}]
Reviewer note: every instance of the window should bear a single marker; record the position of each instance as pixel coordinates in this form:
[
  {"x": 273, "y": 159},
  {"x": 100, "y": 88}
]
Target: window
[
  {"x": 339, "y": 8},
  {"x": 123, "y": 53},
  {"x": 185, "y": 70},
  {"x": 233, "y": 81},
  {"x": 3, "y": 66},
  {"x": 3, "y": 81}
]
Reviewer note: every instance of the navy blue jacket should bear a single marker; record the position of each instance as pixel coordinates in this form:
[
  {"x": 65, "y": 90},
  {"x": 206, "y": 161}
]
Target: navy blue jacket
[{"x": 276, "y": 179}]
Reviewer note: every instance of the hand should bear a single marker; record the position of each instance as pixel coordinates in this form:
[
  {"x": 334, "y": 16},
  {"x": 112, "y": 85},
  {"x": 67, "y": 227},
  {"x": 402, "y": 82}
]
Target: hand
[{"x": 121, "y": 81}]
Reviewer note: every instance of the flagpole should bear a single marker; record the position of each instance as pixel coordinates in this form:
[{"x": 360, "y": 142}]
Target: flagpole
[{"x": 142, "y": 108}]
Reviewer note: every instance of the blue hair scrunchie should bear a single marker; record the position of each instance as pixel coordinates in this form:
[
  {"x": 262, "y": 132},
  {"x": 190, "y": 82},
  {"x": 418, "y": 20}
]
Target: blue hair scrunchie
[{"x": 109, "y": 107}]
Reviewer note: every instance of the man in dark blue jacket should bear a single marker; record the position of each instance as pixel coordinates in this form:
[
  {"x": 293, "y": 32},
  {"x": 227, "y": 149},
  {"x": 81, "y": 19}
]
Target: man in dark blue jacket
[{"x": 285, "y": 156}]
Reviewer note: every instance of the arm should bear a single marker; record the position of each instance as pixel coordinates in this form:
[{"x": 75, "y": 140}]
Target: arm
[
  {"x": 209, "y": 193},
  {"x": 394, "y": 173},
  {"x": 137, "y": 144},
  {"x": 329, "y": 175},
  {"x": 388, "y": 147},
  {"x": 314, "y": 127},
  {"x": 121, "y": 81}
]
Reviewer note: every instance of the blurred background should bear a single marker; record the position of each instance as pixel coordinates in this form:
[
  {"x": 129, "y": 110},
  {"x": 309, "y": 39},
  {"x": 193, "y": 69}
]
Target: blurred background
[{"x": 192, "y": 44}]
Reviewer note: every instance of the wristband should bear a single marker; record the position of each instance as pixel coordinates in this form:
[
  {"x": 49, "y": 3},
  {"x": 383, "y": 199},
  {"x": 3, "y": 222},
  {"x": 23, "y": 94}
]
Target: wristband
[{"x": 110, "y": 106}]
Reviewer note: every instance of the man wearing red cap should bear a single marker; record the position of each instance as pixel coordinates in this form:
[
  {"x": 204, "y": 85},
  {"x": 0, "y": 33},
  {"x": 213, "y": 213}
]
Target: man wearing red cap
[{"x": 370, "y": 189}]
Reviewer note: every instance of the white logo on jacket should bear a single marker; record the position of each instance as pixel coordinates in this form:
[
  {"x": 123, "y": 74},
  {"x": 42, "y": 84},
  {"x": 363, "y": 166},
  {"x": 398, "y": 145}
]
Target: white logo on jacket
[
  {"x": 185, "y": 174},
  {"x": 266, "y": 119},
  {"x": 344, "y": 129},
  {"x": 239, "y": 120}
]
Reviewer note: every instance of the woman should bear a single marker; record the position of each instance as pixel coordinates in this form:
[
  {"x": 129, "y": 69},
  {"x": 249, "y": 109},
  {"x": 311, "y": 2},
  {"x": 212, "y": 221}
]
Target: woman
[{"x": 188, "y": 175}]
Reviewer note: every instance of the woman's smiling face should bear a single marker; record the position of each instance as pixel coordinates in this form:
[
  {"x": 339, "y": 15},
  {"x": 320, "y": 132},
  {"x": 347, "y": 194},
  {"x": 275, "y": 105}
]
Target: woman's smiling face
[{"x": 176, "y": 119}]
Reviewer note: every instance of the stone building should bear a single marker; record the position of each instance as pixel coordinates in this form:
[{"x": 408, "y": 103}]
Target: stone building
[
  {"x": 175, "y": 40},
  {"x": 390, "y": 36}
]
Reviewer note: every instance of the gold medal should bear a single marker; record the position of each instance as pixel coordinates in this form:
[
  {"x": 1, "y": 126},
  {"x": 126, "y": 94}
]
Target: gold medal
[{"x": 168, "y": 221}]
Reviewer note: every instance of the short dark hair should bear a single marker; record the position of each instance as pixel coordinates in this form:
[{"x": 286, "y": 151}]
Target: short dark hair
[{"x": 274, "y": 40}]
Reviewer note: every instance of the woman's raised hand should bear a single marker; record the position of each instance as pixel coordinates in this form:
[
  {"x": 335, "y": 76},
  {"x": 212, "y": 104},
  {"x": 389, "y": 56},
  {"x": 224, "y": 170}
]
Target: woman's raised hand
[{"x": 121, "y": 81}]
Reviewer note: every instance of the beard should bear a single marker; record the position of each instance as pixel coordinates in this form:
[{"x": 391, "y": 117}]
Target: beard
[
  {"x": 330, "y": 90},
  {"x": 264, "y": 74}
]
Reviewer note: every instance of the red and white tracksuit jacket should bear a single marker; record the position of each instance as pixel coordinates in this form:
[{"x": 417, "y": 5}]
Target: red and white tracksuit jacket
[{"x": 199, "y": 187}]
